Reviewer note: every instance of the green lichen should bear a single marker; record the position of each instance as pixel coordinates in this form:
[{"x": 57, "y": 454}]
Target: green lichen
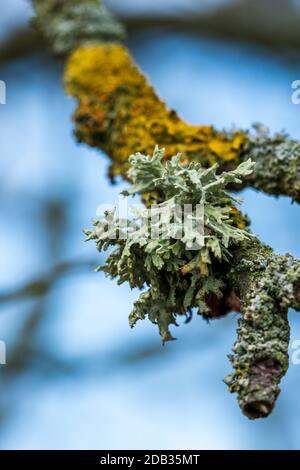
[
  {"x": 67, "y": 24},
  {"x": 179, "y": 263},
  {"x": 277, "y": 158}
]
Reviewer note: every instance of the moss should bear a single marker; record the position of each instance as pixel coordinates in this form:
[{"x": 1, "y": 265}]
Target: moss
[{"x": 119, "y": 112}]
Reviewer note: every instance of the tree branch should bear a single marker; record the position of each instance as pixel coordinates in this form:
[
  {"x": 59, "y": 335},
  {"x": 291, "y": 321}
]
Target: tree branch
[
  {"x": 40, "y": 285},
  {"x": 267, "y": 284},
  {"x": 66, "y": 24},
  {"x": 120, "y": 113},
  {"x": 105, "y": 81}
]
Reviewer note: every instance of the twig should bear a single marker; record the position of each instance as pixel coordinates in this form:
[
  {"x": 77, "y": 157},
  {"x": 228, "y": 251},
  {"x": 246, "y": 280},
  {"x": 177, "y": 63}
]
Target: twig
[{"x": 41, "y": 284}]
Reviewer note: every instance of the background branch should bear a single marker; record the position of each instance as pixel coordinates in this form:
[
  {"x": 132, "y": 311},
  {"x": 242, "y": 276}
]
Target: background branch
[{"x": 42, "y": 283}]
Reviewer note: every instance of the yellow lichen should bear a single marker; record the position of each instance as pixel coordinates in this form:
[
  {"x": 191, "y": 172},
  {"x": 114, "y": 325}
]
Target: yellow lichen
[{"x": 119, "y": 112}]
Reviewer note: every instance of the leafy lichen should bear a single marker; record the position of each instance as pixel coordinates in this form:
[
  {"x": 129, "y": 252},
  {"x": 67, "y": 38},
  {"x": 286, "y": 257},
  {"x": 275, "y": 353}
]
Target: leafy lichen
[{"x": 182, "y": 272}]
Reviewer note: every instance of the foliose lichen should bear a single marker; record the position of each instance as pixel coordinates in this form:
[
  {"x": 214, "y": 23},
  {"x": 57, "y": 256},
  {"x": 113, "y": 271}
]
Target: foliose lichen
[{"x": 179, "y": 260}]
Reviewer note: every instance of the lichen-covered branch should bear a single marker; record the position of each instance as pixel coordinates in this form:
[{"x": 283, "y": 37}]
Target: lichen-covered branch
[
  {"x": 66, "y": 24},
  {"x": 228, "y": 259},
  {"x": 277, "y": 169},
  {"x": 119, "y": 112},
  {"x": 267, "y": 285}
]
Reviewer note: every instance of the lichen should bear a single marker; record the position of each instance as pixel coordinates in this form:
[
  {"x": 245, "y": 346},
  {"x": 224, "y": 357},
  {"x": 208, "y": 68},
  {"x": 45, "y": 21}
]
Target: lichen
[
  {"x": 180, "y": 262},
  {"x": 266, "y": 285},
  {"x": 67, "y": 24},
  {"x": 120, "y": 113},
  {"x": 277, "y": 158}
]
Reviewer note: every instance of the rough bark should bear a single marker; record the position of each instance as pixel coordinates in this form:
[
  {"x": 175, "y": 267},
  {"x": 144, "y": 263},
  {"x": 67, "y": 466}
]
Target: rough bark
[{"x": 267, "y": 285}]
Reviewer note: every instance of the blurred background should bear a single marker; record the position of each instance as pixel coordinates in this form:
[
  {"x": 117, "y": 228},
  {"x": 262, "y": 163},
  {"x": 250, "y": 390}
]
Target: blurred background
[{"x": 76, "y": 376}]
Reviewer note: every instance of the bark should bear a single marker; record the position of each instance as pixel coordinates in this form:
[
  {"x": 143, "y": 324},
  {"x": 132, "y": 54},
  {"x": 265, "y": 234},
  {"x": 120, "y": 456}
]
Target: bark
[{"x": 267, "y": 285}]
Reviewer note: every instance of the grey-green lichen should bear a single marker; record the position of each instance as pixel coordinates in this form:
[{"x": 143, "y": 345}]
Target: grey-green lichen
[
  {"x": 66, "y": 24},
  {"x": 277, "y": 169},
  {"x": 178, "y": 260},
  {"x": 267, "y": 285}
]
